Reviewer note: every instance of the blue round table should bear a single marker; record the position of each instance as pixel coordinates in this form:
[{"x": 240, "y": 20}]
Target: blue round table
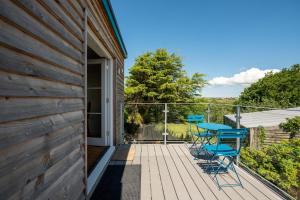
[{"x": 212, "y": 126}]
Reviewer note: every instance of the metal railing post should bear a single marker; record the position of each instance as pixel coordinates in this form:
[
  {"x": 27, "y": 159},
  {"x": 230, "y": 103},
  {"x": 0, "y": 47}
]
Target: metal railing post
[
  {"x": 166, "y": 117},
  {"x": 238, "y": 125},
  {"x": 208, "y": 113}
]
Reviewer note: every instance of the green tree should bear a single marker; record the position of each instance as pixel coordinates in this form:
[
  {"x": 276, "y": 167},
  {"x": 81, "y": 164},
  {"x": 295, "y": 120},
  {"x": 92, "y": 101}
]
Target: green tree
[
  {"x": 158, "y": 77},
  {"x": 280, "y": 89}
]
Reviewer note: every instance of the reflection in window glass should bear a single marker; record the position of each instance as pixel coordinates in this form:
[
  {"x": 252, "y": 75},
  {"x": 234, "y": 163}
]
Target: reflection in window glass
[
  {"x": 94, "y": 75},
  {"x": 94, "y": 125},
  {"x": 94, "y": 100}
]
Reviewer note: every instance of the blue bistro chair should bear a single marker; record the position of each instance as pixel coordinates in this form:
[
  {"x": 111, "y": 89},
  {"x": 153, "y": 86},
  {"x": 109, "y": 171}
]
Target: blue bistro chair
[
  {"x": 224, "y": 148},
  {"x": 193, "y": 120}
]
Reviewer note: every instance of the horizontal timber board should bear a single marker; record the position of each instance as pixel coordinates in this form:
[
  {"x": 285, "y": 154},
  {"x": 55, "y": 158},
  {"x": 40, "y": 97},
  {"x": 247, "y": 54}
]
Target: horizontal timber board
[
  {"x": 23, "y": 64},
  {"x": 12, "y": 36},
  {"x": 18, "y": 86},
  {"x": 23, "y": 108},
  {"x": 35, "y": 169},
  {"x": 19, "y": 131},
  {"x": 69, "y": 9},
  {"x": 31, "y": 25},
  {"x": 40, "y": 13},
  {"x": 35, "y": 186},
  {"x": 16, "y": 157},
  {"x": 100, "y": 32},
  {"x": 77, "y": 8},
  {"x": 64, "y": 185},
  {"x": 60, "y": 14}
]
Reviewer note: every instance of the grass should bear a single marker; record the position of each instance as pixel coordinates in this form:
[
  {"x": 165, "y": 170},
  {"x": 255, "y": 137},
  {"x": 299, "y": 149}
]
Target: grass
[{"x": 178, "y": 131}]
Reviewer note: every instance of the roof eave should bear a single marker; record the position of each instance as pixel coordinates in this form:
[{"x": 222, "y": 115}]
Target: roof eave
[{"x": 112, "y": 19}]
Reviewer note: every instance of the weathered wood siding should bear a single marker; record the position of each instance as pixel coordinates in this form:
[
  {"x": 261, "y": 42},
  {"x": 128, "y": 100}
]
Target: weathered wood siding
[
  {"x": 119, "y": 103},
  {"x": 42, "y": 94},
  {"x": 42, "y": 99},
  {"x": 272, "y": 135}
]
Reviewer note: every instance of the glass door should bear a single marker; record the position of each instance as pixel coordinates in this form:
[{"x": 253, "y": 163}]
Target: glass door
[{"x": 95, "y": 102}]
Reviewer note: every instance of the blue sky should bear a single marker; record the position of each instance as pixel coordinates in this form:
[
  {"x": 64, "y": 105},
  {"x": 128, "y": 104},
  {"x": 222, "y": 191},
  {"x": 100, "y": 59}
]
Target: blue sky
[{"x": 220, "y": 38}]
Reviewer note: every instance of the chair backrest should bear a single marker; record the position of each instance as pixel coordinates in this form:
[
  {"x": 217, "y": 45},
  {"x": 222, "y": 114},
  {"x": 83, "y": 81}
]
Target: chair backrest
[
  {"x": 225, "y": 136},
  {"x": 195, "y": 118}
]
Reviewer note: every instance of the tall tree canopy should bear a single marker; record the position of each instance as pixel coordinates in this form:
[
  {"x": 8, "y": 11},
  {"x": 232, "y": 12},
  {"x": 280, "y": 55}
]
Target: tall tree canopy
[
  {"x": 281, "y": 89},
  {"x": 158, "y": 77}
]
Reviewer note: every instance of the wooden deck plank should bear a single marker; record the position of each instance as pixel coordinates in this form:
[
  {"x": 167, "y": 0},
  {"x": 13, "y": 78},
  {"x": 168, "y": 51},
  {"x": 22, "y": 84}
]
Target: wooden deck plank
[
  {"x": 145, "y": 181},
  {"x": 257, "y": 185},
  {"x": 244, "y": 193},
  {"x": 168, "y": 187},
  {"x": 221, "y": 194},
  {"x": 204, "y": 189},
  {"x": 186, "y": 177},
  {"x": 170, "y": 172},
  {"x": 235, "y": 191},
  {"x": 249, "y": 192},
  {"x": 137, "y": 156},
  {"x": 256, "y": 189},
  {"x": 155, "y": 179},
  {"x": 239, "y": 192},
  {"x": 230, "y": 179},
  {"x": 179, "y": 186}
]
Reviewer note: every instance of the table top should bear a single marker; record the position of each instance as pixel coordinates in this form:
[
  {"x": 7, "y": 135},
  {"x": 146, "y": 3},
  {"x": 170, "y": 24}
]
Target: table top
[{"x": 213, "y": 126}]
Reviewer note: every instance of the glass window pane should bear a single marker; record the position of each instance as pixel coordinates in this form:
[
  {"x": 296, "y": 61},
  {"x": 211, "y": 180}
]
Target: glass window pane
[
  {"x": 94, "y": 125},
  {"x": 94, "y": 100},
  {"x": 94, "y": 75}
]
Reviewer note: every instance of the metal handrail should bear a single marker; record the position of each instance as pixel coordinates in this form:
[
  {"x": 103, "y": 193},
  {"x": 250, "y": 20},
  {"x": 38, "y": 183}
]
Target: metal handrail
[
  {"x": 206, "y": 103},
  {"x": 209, "y": 104}
]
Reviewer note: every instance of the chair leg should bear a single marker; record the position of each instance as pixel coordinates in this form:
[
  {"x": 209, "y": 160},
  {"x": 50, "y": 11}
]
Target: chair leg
[
  {"x": 219, "y": 167},
  {"x": 194, "y": 143},
  {"x": 204, "y": 143},
  {"x": 237, "y": 175},
  {"x": 201, "y": 144},
  {"x": 209, "y": 163},
  {"x": 217, "y": 172},
  {"x": 231, "y": 166},
  {"x": 226, "y": 167}
]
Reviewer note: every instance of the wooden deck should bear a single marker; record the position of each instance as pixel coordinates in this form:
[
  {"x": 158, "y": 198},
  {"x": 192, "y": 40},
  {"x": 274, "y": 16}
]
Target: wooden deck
[{"x": 170, "y": 172}]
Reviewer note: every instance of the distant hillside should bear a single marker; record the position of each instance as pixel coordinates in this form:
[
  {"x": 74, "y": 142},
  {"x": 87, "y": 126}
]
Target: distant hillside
[{"x": 219, "y": 100}]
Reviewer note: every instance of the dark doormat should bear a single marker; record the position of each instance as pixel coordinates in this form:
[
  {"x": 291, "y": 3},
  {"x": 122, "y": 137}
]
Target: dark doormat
[
  {"x": 119, "y": 182},
  {"x": 94, "y": 155}
]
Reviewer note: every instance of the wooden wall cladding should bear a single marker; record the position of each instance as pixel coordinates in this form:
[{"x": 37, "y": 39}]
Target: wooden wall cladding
[{"x": 42, "y": 99}]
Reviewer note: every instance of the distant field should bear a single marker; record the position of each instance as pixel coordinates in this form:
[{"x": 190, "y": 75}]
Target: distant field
[{"x": 220, "y": 100}]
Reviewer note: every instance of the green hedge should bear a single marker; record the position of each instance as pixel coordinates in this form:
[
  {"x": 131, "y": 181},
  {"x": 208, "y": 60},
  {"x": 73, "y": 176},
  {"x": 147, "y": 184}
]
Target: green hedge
[{"x": 278, "y": 163}]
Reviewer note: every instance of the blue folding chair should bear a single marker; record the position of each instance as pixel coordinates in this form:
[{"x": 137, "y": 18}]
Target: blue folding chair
[
  {"x": 193, "y": 120},
  {"x": 224, "y": 148}
]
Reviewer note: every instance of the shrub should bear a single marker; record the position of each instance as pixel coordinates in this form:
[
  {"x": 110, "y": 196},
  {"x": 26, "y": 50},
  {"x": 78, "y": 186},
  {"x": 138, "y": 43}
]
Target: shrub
[
  {"x": 291, "y": 125},
  {"x": 278, "y": 163}
]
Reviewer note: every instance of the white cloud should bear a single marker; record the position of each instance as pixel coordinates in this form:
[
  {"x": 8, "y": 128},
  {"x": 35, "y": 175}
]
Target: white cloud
[{"x": 247, "y": 77}]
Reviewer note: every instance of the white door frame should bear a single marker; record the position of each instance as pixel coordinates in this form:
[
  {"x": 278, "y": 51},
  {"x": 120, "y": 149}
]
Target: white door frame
[
  {"x": 107, "y": 120},
  {"x": 95, "y": 44},
  {"x": 109, "y": 102},
  {"x": 96, "y": 174}
]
